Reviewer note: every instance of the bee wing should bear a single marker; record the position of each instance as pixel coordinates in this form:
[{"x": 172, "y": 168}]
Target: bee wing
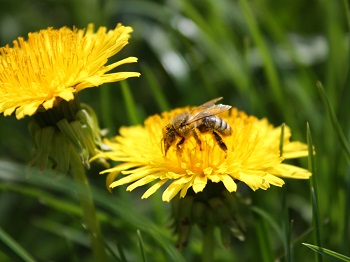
[
  {"x": 210, "y": 103},
  {"x": 205, "y": 106},
  {"x": 209, "y": 111}
]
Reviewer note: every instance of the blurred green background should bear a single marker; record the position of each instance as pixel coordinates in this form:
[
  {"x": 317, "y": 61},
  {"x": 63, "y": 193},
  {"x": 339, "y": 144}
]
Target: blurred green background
[{"x": 264, "y": 57}]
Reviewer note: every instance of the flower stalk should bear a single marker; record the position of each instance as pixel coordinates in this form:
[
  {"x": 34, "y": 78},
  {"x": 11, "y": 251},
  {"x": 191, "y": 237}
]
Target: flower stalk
[
  {"x": 89, "y": 212},
  {"x": 208, "y": 246}
]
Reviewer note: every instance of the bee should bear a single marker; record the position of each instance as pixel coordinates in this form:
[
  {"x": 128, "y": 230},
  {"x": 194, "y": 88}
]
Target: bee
[{"x": 203, "y": 118}]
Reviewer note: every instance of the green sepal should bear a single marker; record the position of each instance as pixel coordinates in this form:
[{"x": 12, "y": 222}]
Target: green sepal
[
  {"x": 56, "y": 131},
  {"x": 62, "y": 153},
  {"x": 73, "y": 132},
  {"x": 42, "y": 138},
  {"x": 92, "y": 132},
  {"x": 87, "y": 116}
]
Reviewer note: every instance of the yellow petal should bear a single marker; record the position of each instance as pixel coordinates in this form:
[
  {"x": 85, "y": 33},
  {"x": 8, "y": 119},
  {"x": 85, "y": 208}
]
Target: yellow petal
[
  {"x": 119, "y": 168},
  {"x": 215, "y": 178},
  {"x": 230, "y": 185},
  {"x": 183, "y": 180},
  {"x": 171, "y": 191},
  {"x": 153, "y": 189},
  {"x": 67, "y": 94},
  {"x": 141, "y": 182},
  {"x": 110, "y": 178},
  {"x": 185, "y": 189},
  {"x": 31, "y": 108},
  {"x": 131, "y": 178},
  {"x": 121, "y": 62},
  {"x": 289, "y": 171},
  {"x": 253, "y": 181},
  {"x": 273, "y": 180},
  {"x": 295, "y": 150},
  {"x": 199, "y": 183}
]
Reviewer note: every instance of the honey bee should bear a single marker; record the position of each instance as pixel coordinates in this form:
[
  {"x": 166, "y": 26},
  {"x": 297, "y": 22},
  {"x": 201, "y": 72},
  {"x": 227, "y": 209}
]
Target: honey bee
[{"x": 204, "y": 118}]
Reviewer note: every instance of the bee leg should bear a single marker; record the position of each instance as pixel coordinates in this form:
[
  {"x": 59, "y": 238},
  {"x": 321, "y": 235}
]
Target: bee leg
[
  {"x": 221, "y": 143},
  {"x": 199, "y": 142},
  {"x": 169, "y": 137},
  {"x": 180, "y": 143},
  {"x": 166, "y": 146}
]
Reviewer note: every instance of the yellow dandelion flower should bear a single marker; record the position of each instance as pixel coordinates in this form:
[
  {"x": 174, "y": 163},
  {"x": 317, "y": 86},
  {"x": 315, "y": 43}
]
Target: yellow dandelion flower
[
  {"x": 252, "y": 156},
  {"x": 53, "y": 65}
]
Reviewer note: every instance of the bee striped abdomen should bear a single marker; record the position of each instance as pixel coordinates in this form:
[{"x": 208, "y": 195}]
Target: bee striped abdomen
[
  {"x": 222, "y": 126},
  {"x": 214, "y": 123}
]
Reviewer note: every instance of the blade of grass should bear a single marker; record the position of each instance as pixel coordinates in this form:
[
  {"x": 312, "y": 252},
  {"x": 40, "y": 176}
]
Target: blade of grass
[
  {"x": 106, "y": 107},
  {"x": 347, "y": 12},
  {"x": 335, "y": 123},
  {"x": 346, "y": 150},
  {"x": 286, "y": 229},
  {"x": 337, "y": 61},
  {"x": 50, "y": 200},
  {"x": 270, "y": 69},
  {"x": 212, "y": 44},
  {"x": 269, "y": 219},
  {"x": 118, "y": 207},
  {"x": 139, "y": 236},
  {"x": 314, "y": 192},
  {"x": 334, "y": 256},
  {"x": 130, "y": 104},
  {"x": 121, "y": 253},
  {"x": 156, "y": 89},
  {"x": 346, "y": 237},
  {"x": 114, "y": 254},
  {"x": 263, "y": 234},
  {"x": 15, "y": 249}
]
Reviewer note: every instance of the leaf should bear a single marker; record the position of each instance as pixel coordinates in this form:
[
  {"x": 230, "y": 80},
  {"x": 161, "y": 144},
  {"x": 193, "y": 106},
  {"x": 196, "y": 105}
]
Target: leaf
[
  {"x": 14, "y": 249},
  {"x": 314, "y": 192},
  {"x": 335, "y": 123},
  {"x": 328, "y": 253},
  {"x": 139, "y": 236}
]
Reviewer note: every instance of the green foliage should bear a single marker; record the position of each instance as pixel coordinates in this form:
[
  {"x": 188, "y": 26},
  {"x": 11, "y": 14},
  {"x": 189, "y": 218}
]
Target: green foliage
[
  {"x": 264, "y": 57},
  {"x": 334, "y": 256},
  {"x": 314, "y": 191}
]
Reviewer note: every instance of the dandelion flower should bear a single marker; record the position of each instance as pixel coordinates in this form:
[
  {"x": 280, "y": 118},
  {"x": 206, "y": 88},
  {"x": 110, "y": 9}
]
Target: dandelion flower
[
  {"x": 53, "y": 65},
  {"x": 252, "y": 157}
]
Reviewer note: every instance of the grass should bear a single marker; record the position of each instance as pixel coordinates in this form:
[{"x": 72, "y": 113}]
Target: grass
[{"x": 288, "y": 62}]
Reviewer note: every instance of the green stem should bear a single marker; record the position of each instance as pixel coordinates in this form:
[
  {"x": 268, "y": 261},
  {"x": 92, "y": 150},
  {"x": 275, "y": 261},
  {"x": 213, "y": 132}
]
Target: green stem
[
  {"x": 208, "y": 244},
  {"x": 89, "y": 211}
]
